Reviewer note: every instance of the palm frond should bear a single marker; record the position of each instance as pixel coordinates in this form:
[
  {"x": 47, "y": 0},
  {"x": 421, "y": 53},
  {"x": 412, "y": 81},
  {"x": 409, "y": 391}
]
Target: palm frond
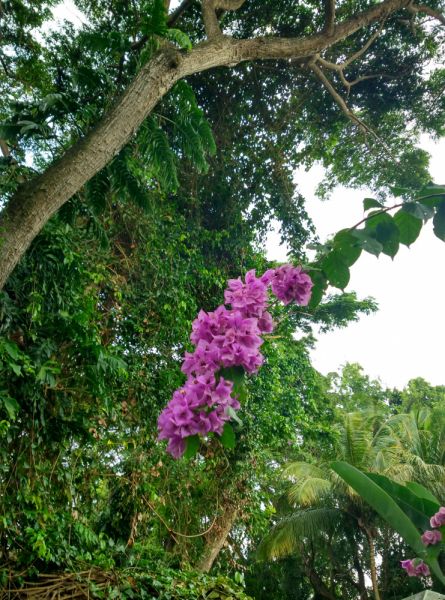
[
  {"x": 298, "y": 468},
  {"x": 285, "y": 536},
  {"x": 309, "y": 491},
  {"x": 355, "y": 440}
]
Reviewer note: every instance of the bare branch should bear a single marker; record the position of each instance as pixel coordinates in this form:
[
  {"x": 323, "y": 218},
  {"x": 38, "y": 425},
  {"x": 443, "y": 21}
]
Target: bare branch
[
  {"x": 229, "y": 4},
  {"x": 210, "y": 19},
  {"x": 329, "y": 9},
  {"x": 415, "y": 8},
  {"x": 366, "y": 46},
  {"x": 177, "y": 14},
  {"x": 386, "y": 75},
  {"x": 355, "y": 120}
]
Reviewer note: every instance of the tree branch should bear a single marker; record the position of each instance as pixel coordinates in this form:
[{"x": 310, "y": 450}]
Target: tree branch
[
  {"x": 355, "y": 120},
  {"x": 177, "y": 14},
  {"x": 365, "y": 47},
  {"x": 415, "y": 8},
  {"x": 210, "y": 19},
  {"x": 329, "y": 9},
  {"x": 229, "y": 4},
  {"x": 37, "y": 200}
]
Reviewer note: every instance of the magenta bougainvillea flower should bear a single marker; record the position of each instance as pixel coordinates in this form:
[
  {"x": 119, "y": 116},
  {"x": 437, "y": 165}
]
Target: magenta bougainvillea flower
[
  {"x": 226, "y": 338},
  {"x": 439, "y": 518},
  {"x": 421, "y": 569},
  {"x": 431, "y": 537}
]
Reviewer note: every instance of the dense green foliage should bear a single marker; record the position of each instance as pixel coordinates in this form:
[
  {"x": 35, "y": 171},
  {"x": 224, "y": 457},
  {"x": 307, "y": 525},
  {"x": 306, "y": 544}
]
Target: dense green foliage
[{"x": 97, "y": 314}]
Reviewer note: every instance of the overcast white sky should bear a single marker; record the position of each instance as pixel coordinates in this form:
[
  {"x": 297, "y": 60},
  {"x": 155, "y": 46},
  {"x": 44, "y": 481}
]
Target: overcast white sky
[{"x": 405, "y": 339}]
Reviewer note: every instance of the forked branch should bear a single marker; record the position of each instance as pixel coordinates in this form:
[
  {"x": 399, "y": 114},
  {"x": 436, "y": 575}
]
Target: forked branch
[
  {"x": 344, "y": 108},
  {"x": 436, "y": 14},
  {"x": 211, "y": 17}
]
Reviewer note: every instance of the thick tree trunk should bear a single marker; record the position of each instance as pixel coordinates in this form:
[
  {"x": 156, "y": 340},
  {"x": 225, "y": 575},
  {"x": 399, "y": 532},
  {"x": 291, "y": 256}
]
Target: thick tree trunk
[
  {"x": 216, "y": 537},
  {"x": 36, "y": 201}
]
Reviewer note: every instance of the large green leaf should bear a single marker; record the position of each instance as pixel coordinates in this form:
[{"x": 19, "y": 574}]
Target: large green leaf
[
  {"x": 232, "y": 414},
  {"x": 367, "y": 240},
  {"x": 11, "y": 406},
  {"x": 192, "y": 445},
  {"x": 411, "y": 504},
  {"x": 431, "y": 190},
  {"x": 409, "y": 227},
  {"x": 439, "y": 222},
  {"x": 387, "y": 508},
  {"x": 227, "y": 438},
  {"x": 235, "y": 374},
  {"x": 420, "y": 491},
  {"x": 418, "y": 210},
  {"x": 371, "y": 203},
  {"x": 316, "y": 296},
  {"x": 398, "y": 191},
  {"x": 345, "y": 247},
  {"x": 320, "y": 284},
  {"x": 387, "y": 233},
  {"x": 336, "y": 270}
]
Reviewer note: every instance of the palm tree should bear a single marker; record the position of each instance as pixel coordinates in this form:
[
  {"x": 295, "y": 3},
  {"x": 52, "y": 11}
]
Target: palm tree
[
  {"x": 421, "y": 439},
  {"x": 319, "y": 503}
]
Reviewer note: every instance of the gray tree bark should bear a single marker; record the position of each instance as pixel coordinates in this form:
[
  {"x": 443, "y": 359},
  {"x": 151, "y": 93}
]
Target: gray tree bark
[
  {"x": 216, "y": 537},
  {"x": 36, "y": 201}
]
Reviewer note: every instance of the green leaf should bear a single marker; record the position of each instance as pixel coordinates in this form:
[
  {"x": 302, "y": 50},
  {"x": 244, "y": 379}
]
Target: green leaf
[
  {"x": 235, "y": 374},
  {"x": 371, "y": 203},
  {"x": 11, "y": 349},
  {"x": 398, "y": 191},
  {"x": 382, "y": 503},
  {"x": 388, "y": 235},
  {"x": 16, "y": 368},
  {"x": 336, "y": 270},
  {"x": 181, "y": 38},
  {"x": 345, "y": 247},
  {"x": 320, "y": 285},
  {"x": 439, "y": 222},
  {"x": 192, "y": 445},
  {"x": 228, "y": 437},
  {"x": 241, "y": 395},
  {"x": 420, "y": 491},
  {"x": 409, "y": 227},
  {"x": 316, "y": 296},
  {"x": 321, "y": 248},
  {"x": 431, "y": 190},
  {"x": 411, "y": 504},
  {"x": 367, "y": 240},
  {"x": 11, "y": 406},
  {"x": 418, "y": 210},
  {"x": 232, "y": 414}
]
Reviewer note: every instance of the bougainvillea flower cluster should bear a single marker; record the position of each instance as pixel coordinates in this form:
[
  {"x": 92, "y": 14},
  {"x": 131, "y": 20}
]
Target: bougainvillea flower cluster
[
  {"x": 429, "y": 537},
  {"x": 421, "y": 569},
  {"x": 226, "y": 338},
  {"x": 439, "y": 518}
]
